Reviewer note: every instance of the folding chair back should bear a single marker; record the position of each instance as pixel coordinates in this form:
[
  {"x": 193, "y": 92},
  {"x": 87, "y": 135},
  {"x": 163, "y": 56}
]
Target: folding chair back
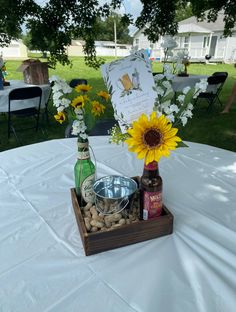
[
  {"x": 215, "y": 85},
  {"x": 75, "y": 82},
  {"x": 20, "y": 94},
  {"x": 101, "y": 128}
]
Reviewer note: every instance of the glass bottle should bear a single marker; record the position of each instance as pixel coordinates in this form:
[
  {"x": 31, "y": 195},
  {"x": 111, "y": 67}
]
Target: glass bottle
[
  {"x": 84, "y": 171},
  {"x": 150, "y": 192}
]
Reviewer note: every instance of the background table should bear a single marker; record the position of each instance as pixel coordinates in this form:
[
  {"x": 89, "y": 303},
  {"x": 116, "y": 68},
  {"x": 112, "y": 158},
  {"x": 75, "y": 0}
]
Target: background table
[
  {"x": 179, "y": 83},
  {"x": 21, "y": 104},
  {"x": 42, "y": 262}
]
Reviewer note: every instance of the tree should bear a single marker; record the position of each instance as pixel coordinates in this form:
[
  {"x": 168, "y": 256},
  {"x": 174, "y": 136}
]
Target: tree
[
  {"x": 159, "y": 17},
  {"x": 105, "y": 30},
  {"x": 55, "y": 23},
  {"x": 183, "y": 12}
]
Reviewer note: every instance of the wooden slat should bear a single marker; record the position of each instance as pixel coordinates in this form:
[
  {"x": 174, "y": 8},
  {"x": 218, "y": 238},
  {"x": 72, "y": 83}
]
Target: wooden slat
[{"x": 125, "y": 235}]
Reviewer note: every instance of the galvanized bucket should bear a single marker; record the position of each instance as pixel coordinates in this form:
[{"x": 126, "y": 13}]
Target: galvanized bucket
[{"x": 113, "y": 193}]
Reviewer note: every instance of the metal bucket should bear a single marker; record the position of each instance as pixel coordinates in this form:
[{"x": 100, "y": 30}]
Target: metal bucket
[{"x": 114, "y": 193}]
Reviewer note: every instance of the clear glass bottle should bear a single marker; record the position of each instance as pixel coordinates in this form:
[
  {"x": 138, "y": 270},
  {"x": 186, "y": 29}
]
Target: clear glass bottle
[
  {"x": 150, "y": 192},
  {"x": 84, "y": 171}
]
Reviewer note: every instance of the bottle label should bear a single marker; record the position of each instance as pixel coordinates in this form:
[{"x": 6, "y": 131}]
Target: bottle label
[
  {"x": 152, "y": 204},
  {"x": 82, "y": 145},
  {"x": 83, "y": 155},
  {"x": 87, "y": 189}
]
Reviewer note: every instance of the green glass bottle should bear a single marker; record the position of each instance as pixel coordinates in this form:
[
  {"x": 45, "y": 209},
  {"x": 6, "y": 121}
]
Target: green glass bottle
[{"x": 84, "y": 171}]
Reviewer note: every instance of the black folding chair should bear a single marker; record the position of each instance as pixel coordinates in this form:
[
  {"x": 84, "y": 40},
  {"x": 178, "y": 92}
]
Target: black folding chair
[
  {"x": 46, "y": 109},
  {"x": 75, "y": 82},
  {"x": 215, "y": 85},
  {"x": 101, "y": 128},
  {"x": 27, "y": 93}
]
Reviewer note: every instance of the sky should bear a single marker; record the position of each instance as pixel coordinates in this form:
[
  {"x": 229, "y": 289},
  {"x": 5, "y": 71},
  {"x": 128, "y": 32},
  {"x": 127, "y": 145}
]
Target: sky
[{"x": 132, "y": 7}]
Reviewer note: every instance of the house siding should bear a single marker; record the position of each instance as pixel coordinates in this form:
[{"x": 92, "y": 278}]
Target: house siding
[
  {"x": 16, "y": 49},
  {"x": 225, "y": 49},
  {"x": 230, "y": 55}
]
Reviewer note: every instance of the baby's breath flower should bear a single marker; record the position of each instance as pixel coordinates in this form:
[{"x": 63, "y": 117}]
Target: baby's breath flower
[{"x": 79, "y": 108}]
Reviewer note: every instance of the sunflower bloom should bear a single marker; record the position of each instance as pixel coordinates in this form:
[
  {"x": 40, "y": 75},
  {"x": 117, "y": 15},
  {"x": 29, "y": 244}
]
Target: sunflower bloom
[
  {"x": 60, "y": 117},
  {"x": 83, "y": 88},
  {"x": 97, "y": 108},
  {"x": 152, "y": 138},
  {"x": 104, "y": 95},
  {"x": 78, "y": 102},
  {"x": 85, "y": 97}
]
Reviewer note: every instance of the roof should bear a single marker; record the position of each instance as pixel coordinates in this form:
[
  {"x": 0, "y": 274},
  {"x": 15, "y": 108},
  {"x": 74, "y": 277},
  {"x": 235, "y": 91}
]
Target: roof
[
  {"x": 192, "y": 28},
  {"x": 218, "y": 25}
]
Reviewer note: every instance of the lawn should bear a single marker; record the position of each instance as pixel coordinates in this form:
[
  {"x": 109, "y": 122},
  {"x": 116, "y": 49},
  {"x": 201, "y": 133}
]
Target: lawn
[{"x": 205, "y": 127}]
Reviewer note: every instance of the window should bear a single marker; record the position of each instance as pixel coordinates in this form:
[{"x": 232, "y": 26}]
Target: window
[
  {"x": 184, "y": 42},
  {"x": 136, "y": 41},
  {"x": 206, "y": 41}
]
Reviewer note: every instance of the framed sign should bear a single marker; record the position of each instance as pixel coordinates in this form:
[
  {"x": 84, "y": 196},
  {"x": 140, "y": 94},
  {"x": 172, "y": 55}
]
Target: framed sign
[{"x": 130, "y": 83}]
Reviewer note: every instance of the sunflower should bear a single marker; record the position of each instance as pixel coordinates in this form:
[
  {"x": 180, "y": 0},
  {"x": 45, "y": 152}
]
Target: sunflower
[
  {"x": 60, "y": 117},
  {"x": 152, "y": 139},
  {"x": 97, "y": 108},
  {"x": 83, "y": 88},
  {"x": 104, "y": 95},
  {"x": 78, "y": 102}
]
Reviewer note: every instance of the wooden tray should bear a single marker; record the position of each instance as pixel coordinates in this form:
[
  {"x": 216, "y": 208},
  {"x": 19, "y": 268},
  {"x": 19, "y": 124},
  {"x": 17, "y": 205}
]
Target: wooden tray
[{"x": 125, "y": 235}]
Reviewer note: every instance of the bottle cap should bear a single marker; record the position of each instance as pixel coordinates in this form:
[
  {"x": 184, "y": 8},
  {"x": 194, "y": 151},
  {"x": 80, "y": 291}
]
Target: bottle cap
[{"x": 151, "y": 166}]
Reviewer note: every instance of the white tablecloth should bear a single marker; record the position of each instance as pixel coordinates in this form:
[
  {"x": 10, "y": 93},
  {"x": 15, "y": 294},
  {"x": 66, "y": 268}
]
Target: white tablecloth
[
  {"x": 179, "y": 83},
  {"x": 24, "y": 103},
  {"x": 42, "y": 262}
]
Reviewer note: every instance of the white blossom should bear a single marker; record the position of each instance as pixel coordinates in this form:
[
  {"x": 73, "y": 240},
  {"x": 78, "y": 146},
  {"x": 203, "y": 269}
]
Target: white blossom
[
  {"x": 181, "y": 98},
  {"x": 174, "y": 108},
  {"x": 60, "y": 109},
  {"x": 171, "y": 117},
  {"x": 160, "y": 91},
  {"x": 183, "y": 120},
  {"x": 159, "y": 77},
  {"x": 167, "y": 84},
  {"x": 190, "y": 106},
  {"x": 186, "y": 90},
  {"x": 78, "y": 127},
  {"x": 83, "y": 135},
  {"x": 65, "y": 102}
]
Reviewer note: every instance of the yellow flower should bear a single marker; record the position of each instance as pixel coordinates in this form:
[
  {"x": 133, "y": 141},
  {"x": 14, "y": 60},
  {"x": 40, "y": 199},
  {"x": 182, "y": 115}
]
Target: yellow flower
[
  {"x": 60, "y": 117},
  {"x": 152, "y": 139},
  {"x": 78, "y": 102},
  {"x": 104, "y": 95},
  {"x": 97, "y": 108},
  {"x": 83, "y": 88},
  {"x": 85, "y": 97}
]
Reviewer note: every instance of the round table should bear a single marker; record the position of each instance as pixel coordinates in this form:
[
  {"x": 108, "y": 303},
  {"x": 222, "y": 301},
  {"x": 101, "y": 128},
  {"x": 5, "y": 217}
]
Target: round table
[
  {"x": 4, "y": 95},
  {"x": 179, "y": 83},
  {"x": 42, "y": 262}
]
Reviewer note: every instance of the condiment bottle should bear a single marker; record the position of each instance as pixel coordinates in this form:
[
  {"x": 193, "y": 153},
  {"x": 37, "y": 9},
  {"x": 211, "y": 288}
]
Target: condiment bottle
[{"x": 150, "y": 192}]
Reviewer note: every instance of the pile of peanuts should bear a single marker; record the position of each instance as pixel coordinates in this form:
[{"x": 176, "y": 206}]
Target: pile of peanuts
[{"x": 96, "y": 221}]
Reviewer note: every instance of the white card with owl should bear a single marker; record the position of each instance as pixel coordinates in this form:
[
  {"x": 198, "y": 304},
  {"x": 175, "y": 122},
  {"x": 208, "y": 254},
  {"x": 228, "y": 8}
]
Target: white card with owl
[{"x": 130, "y": 84}]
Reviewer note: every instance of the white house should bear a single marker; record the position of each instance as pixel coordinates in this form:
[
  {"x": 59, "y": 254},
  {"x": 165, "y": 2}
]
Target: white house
[
  {"x": 109, "y": 48},
  {"x": 198, "y": 38},
  {"x": 16, "y": 49},
  {"x": 103, "y": 48}
]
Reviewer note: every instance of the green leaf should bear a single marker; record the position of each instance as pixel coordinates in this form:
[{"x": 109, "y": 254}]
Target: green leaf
[{"x": 182, "y": 144}]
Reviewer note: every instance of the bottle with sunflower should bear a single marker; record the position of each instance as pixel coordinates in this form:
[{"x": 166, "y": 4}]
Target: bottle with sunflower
[
  {"x": 80, "y": 109},
  {"x": 151, "y": 138}
]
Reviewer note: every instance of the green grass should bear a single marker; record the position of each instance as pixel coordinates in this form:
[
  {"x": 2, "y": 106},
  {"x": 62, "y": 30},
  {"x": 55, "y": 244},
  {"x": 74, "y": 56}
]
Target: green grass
[{"x": 210, "y": 128}]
